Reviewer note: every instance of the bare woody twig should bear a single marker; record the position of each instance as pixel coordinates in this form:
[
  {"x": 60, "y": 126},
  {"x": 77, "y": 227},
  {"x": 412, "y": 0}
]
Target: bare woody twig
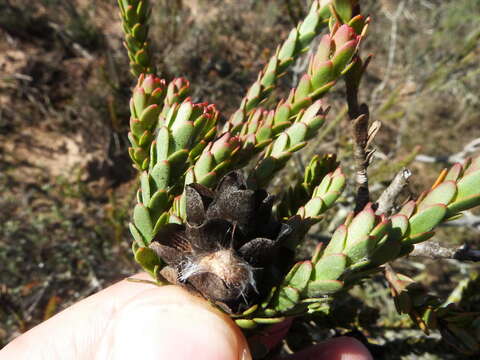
[
  {"x": 434, "y": 250},
  {"x": 386, "y": 201},
  {"x": 360, "y": 132},
  {"x": 359, "y": 117}
]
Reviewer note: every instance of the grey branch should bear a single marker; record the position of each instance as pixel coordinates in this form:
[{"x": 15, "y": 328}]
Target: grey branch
[
  {"x": 361, "y": 155},
  {"x": 434, "y": 250},
  {"x": 386, "y": 201},
  {"x": 470, "y": 148}
]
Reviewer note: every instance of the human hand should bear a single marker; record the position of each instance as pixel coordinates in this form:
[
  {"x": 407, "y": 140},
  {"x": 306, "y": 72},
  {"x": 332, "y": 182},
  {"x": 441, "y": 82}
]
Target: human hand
[{"x": 142, "y": 321}]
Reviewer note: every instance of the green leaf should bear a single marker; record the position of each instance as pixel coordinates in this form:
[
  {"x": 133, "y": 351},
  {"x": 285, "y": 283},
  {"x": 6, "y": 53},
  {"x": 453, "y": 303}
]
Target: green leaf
[
  {"x": 314, "y": 207},
  {"x": 305, "y": 38},
  {"x": 269, "y": 321},
  {"x": 159, "y": 203},
  {"x": 337, "y": 242},
  {"x": 357, "y": 23},
  {"x": 282, "y": 115},
  {"x": 408, "y": 208},
  {"x": 145, "y": 186},
  {"x": 361, "y": 225},
  {"x": 322, "y": 188},
  {"x": 263, "y": 134},
  {"x": 280, "y": 145},
  {"x": 178, "y": 160},
  {"x": 454, "y": 172},
  {"x": 381, "y": 229},
  {"x": 442, "y": 194},
  {"x": 304, "y": 88},
  {"x": 162, "y": 220},
  {"x": 142, "y": 58},
  {"x": 265, "y": 168},
  {"x": 139, "y": 100},
  {"x": 270, "y": 75},
  {"x": 344, "y": 9},
  {"x": 146, "y": 138},
  {"x": 418, "y": 238},
  {"x": 301, "y": 276},
  {"x": 269, "y": 297},
  {"x": 464, "y": 204},
  {"x": 136, "y": 235},
  {"x": 163, "y": 143},
  {"x": 289, "y": 47},
  {"x": 427, "y": 219},
  {"x": 360, "y": 249},
  {"x": 254, "y": 91},
  {"x": 147, "y": 258},
  {"x": 139, "y": 31},
  {"x": 143, "y": 222},
  {"x": 136, "y": 127},
  {"x": 468, "y": 186},
  {"x": 291, "y": 273},
  {"x": 330, "y": 198},
  {"x": 250, "y": 310},
  {"x": 246, "y": 323},
  {"x": 286, "y": 299},
  {"x": 301, "y": 104},
  {"x": 323, "y": 287},
  {"x": 343, "y": 56},
  {"x": 297, "y": 133},
  {"x": 182, "y": 135},
  {"x": 317, "y": 253},
  {"x": 387, "y": 251},
  {"x": 209, "y": 179},
  {"x": 330, "y": 267},
  {"x": 310, "y": 23},
  {"x": 161, "y": 175},
  {"x": 149, "y": 116},
  {"x": 204, "y": 164},
  {"x": 399, "y": 225},
  {"x": 338, "y": 181},
  {"x": 183, "y": 115},
  {"x": 323, "y": 75}
]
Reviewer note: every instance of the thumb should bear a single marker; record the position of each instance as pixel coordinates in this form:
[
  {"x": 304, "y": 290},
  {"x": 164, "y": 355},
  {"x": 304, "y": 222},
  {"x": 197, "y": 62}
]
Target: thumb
[
  {"x": 134, "y": 320},
  {"x": 170, "y": 323}
]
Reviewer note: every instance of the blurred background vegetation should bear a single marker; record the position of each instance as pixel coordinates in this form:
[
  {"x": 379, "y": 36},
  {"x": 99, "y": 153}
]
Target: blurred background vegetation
[{"x": 67, "y": 186}]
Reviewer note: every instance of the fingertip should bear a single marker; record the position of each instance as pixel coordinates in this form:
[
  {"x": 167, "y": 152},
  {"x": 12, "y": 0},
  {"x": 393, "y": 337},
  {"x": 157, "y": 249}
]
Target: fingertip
[
  {"x": 170, "y": 323},
  {"x": 340, "y": 348}
]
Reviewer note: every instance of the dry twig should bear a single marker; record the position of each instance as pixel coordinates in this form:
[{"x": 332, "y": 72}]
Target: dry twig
[
  {"x": 386, "y": 201},
  {"x": 434, "y": 250}
]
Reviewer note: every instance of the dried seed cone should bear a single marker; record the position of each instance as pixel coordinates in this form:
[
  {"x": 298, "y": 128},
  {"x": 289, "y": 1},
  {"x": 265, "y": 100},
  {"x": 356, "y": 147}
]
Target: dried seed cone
[{"x": 230, "y": 248}]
